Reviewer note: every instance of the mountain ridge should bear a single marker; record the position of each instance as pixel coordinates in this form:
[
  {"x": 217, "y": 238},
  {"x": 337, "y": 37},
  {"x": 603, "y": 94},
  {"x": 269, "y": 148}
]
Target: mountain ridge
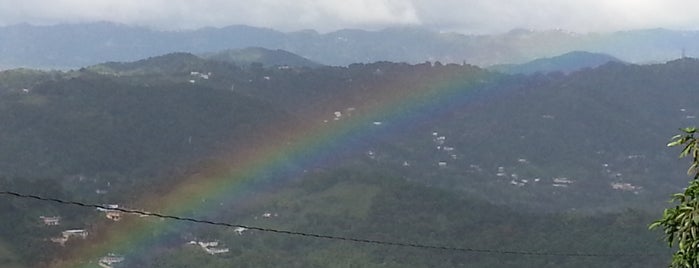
[
  {"x": 47, "y": 46},
  {"x": 565, "y": 63}
]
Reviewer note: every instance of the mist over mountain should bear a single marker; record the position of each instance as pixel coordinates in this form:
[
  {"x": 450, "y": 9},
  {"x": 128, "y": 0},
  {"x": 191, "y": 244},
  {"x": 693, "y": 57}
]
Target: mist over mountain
[{"x": 76, "y": 45}]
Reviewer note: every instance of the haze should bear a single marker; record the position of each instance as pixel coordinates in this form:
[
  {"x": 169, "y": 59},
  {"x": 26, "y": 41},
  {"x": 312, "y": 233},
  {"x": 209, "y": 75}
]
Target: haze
[{"x": 474, "y": 16}]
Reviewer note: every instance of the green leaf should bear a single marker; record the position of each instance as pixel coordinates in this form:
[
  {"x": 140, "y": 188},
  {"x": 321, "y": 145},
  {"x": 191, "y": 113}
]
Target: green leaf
[
  {"x": 686, "y": 150},
  {"x": 689, "y": 129},
  {"x": 674, "y": 143}
]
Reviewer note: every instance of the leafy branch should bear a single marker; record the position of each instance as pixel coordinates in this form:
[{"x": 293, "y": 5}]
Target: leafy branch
[{"x": 681, "y": 223}]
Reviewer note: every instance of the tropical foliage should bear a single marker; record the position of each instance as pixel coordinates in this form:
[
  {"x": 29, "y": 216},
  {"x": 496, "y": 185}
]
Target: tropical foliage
[{"x": 681, "y": 223}]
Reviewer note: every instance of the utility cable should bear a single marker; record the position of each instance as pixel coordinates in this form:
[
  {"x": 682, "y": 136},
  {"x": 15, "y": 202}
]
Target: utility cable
[{"x": 329, "y": 237}]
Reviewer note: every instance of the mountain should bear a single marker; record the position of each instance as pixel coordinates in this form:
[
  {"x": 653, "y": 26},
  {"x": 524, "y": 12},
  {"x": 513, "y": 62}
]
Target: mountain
[
  {"x": 566, "y": 63},
  {"x": 596, "y": 108},
  {"x": 76, "y": 45},
  {"x": 431, "y": 153},
  {"x": 266, "y": 57}
]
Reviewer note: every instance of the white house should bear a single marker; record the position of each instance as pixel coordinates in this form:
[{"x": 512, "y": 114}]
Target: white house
[
  {"x": 75, "y": 233},
  {"x": 109, "y": 260},
  {"x": 51, "y": 221},
  {"x": 211, "y": 247}
]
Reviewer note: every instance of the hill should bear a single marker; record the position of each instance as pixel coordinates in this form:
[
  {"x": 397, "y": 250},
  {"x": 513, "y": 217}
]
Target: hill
[
  {"x": 530, "y": 112},
  {"x": 439, "y": 154},
  {"x": 266, "y": 57},
  {"x": 566, "y": 63}
]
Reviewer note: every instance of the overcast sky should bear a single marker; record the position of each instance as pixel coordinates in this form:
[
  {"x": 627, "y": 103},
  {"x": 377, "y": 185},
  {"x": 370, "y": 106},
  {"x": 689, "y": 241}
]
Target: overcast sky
[{"x": 465, "y": 16}]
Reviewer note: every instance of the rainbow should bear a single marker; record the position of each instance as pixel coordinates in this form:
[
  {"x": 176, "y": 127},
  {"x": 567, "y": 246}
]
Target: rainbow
[{"x": 400, "y": 102}]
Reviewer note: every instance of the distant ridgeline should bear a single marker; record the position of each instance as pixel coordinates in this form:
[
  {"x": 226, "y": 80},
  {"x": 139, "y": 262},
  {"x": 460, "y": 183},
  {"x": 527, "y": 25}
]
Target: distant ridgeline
[
  {"x": 75, "y": 45},
  {"x": 440, "y": 154}
]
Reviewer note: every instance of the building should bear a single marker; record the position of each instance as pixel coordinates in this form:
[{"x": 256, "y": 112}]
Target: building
[
  {"x": 109, "y": 260},
  {"x": 211, "y": 248},
  {"x": 81, "y": 233},
  {"x": 113, "y": 215},
  {"x": 51, "y": 221}
]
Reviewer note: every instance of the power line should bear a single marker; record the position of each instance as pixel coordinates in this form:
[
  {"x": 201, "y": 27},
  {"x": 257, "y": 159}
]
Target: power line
[{"x": 329, "y": 237}]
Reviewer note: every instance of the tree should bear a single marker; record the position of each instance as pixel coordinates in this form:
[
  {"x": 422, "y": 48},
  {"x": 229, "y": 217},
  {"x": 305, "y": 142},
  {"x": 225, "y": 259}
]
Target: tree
[{"x": 681, "y": 223}]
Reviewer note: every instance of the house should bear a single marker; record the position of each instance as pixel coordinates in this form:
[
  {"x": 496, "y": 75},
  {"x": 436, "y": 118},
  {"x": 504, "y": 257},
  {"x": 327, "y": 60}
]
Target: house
[
  {"x": 240, "y": 230},
  {"x": 269, "y": 215},
  {"x": 107, "y": 207},
  {"x": 51, "y": 221},
  {"x": 109, "y": 260},
  {"x": 211, "y": 247},
  {"x": 440, "y": 140},
  {"x": 371, "y": 154},
  {"x": 624, "y": 186},
  {"x": 562, "y": 180},
  {"x": 110, "y": 212},
  {"x": 60, "y": 240},
  {"x": 75, "y": 233},
  {"x": 517, "y": 183},
  {"x": 214, "y": 251},
  {"x": 208, "y": 244},
  {"x": 113, "y": 215},
  {"x": 67, "y": 234}
]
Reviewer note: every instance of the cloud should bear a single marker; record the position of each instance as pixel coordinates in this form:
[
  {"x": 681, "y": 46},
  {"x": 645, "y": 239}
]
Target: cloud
[
  {"x": 177, "y": 14},
  {"x": 474, "y": 16},
  {"x": 574, "y": 15}
]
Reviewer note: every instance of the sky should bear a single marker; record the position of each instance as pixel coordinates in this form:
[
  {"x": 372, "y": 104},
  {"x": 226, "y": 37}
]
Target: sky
[{"x": 464, "y": 16}]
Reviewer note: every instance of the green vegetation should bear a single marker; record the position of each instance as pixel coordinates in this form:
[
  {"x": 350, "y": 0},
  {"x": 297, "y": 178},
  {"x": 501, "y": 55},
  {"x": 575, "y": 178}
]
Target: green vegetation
[
  {"x": 257, "y": 55},
  {"x": 681, "y": 223},
  {"x": 572, "y": 178}
]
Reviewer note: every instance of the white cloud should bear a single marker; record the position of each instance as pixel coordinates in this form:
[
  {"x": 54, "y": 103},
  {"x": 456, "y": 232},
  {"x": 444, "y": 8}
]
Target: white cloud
[
  {"x": 286, "y": 15},
  {"x": 576, "y": 15},
  {"x": 459, "y": 15}
]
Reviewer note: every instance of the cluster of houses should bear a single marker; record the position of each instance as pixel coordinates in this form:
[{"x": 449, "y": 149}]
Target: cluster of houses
[
  {"x": 440, "y": 144},
  {"x": 110, "y": 260},
  {"x": 201, "y": 75},
  {"x": 625, "y": 186},
  {"x": 559, "y": 182},
  {"x": 66, "y": 235},
  {"x": 687, "y": 116},
  {"x": 619, "y": 185}
]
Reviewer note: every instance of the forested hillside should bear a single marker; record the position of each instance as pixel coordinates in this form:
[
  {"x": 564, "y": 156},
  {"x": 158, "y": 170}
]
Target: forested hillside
[{"x": 551, "y": 163}]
